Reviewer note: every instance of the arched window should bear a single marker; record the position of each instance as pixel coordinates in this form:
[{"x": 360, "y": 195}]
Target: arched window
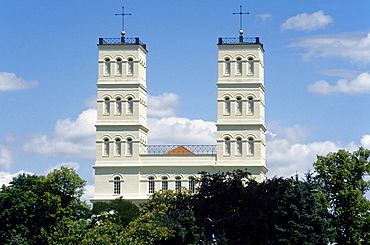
[
  {"x": 250, "y": 105},
  {"x": 227, "y": 146},
  {"x": 250, "y": 66},
  {"x": 192, "y": 184},
  {"x": 151, "y": 185},
  {"x": 227, "y": 66},
  {"x": 239, "y": 105},
  {"x": 106, "y": 106},
  {"x": 250, "y": 147},
  {"x": 130, "y": 67},
  {"x": 117, "y": 185},
  {"x": 164, "y": 183},
  {"x": 119, "y": 66},
  {"x": 118, "y": 106},
  {"x": 227, "y": 105},
  {"x": 239, "y": 146},
  {"x": 177, "y": 183},
  {"x": 118, "y": 147},
  {"x": 239, "y": 66},
  {"x": 130, "y": 108},
  {"x": 106, "y": 147},
  {"x": 129, "y": 146},
  {"x": 106, "y": 66}
]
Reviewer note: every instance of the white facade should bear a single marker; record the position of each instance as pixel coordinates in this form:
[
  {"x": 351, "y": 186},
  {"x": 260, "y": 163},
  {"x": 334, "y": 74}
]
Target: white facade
[{"x": 126, "y": 166}]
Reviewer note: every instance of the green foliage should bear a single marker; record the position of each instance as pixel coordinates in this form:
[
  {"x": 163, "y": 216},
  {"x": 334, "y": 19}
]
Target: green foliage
[
  {"x": 118, "y": 211},
  {"x": 341, "y": 176},
  {"x": 34, "y": 204}
]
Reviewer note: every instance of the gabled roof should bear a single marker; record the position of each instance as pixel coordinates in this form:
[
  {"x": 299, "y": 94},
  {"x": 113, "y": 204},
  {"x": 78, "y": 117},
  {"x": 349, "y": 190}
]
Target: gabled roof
[{"x": 180, "y": 150}]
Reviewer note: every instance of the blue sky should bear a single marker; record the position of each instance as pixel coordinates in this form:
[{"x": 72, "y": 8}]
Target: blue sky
[{"x": 317, "y": 64}]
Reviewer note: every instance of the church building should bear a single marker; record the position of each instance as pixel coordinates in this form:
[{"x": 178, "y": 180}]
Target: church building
[{"x": 128, "y": 166}]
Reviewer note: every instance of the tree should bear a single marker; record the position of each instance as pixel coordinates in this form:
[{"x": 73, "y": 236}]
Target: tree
[
  {"x": 341, "y": 176},
  {"x": 32, "y": 205}
]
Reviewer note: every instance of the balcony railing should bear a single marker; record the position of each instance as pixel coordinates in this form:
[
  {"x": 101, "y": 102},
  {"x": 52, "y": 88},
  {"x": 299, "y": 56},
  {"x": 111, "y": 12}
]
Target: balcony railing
[
  {"x": 177, "y": 149},
  {"x": 239, "y": 40},
  {"x": 121, "y": 41}
]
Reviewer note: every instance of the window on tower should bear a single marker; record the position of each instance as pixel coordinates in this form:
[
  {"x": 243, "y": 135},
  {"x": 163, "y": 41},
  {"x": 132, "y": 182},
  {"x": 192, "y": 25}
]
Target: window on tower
[
  {"x": 227, "y": 66},
  {"x": 130, "y": 108},
  {"x": 129, "y": 147},
  {"x": 118, "y": 106},
  {"x": 239, "y": 147},
  {"x": 106, "y": 106},
  {"x": 227, "y": 106},
  {"x": 238, "y": 106},
  {"x": 227, "y": 147},
  {"x": 250, "y": 66},
  {"x": 117, "y": 186},
  {"x": 151, "y": 185},
  {"x": 250, "y": 147},
  {"x": 118, "y": 147},
  {"x": 118, "y": 66},
  {"x": 106, "y": 67},
  {"x": 106, "y": 147},
  {"x": 238, "y": 66},
  {"x": 250, "y": 106},
  {"x": 130, "y": 66},
  {"x": 164, "y": 183}
]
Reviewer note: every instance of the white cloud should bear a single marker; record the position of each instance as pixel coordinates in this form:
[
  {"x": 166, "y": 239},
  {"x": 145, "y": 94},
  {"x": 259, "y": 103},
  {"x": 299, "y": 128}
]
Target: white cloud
[
  {"x": 354, "y": 47},
  {"x": 163, "y": 105},
  {"x": 73, "y": 165},
  {"x": 88, "y": 193},
  {"x": 344, "y": 73},
  {"x": 70, "y": 138},
  {"x": 6, "y": 157},
  {"x": 91, "y": 102},
  {"x": 176, "y": 130},
  {"x": 6, "y": 177},
  {"x": 9, "y": 81},
  {"x": 286, "y": 157},
  {"x": 264, "y": 17},
  {"x": 359, "y": 85},
  {"x": 307, "y": 22},
  {"x": 365, "y": 141}
]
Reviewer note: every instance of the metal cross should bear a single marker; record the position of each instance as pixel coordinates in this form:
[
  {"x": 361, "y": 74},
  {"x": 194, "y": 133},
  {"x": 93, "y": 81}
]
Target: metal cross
[
  {"x": 123, "y": 18},
  {"x": 241, "y": 17}
]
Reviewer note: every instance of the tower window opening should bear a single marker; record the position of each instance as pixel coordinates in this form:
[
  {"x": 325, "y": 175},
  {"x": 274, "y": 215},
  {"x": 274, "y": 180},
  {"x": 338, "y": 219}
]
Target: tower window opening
[
  {"x": 250, "y": 146},
  {"x": 164, "y": 183},
  {"x": 118, "y": 147},
  {"x": 106, "y": 66},
  {"x": 239, "y": 146},
  {"x": 118, "y": 106},
  {"x": 129, "y": 147},
  {"x": 239, "y": 105},
  {"x": 239, "y": 66},
  {"x": 227, "y": 105},
  {"x": 130, "y": 67},
  {"x": 106, "y": 106},
  {"x": 227, "y": 147},
  {"x": 250, "y": 66},
  {"x": 227, "y": 66},
  {"x": 177, "y": 183},
  {"x": 106, "y": 147},
  {"x": 151, "y": 185},
  {"x": 119, "y": 66},
  {"x": 250, "y": 105},
  {"x": 130, "y": 108},
  {"x": 117, "y": 186},
  {"x": 192, "y": 184}
]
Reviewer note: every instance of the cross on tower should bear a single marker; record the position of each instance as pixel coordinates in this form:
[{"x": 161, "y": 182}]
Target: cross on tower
[
  {"x": 123, "y": 20},
  {"x": 241, "y": 19}
]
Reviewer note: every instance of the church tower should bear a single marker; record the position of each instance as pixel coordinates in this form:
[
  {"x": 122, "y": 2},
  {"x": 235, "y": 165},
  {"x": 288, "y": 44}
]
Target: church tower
[{"x": 241, "y": 106}]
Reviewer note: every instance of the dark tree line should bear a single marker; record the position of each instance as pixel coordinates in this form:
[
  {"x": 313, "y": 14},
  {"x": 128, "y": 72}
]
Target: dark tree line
[{"x": 325, "y": 206}]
